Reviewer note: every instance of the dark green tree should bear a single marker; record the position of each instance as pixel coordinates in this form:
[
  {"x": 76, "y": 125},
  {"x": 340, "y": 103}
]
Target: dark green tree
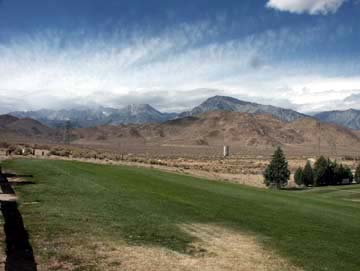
[
  {"x": 357, "y": 174},
  {"x": 342, "y": 173},
  {"x": 298, "y": 176},
  {"x": 322, "y": 171},
  {"x": 338, "y": 173},
  {"x": 348, "y": 174},
  {"x": 308, "y": 174},
  {"x": 277, "y": 172}
]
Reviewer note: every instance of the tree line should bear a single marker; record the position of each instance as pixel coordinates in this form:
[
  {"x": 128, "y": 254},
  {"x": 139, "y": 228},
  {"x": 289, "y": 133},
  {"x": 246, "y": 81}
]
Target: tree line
[{"x": 324, "y": 172}]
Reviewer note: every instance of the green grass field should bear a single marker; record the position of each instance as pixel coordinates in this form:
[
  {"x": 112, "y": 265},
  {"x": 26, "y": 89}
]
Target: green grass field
[{"x": 317, "y": 229}]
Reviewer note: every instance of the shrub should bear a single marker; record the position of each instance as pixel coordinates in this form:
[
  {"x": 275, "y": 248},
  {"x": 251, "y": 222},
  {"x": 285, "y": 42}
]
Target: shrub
[
  {"x": 18, "y": 151},
  {"x": 101, "y": 137},
  {"x": 308, "y": 174},
  {"x": 277, "y": 172},
  {"x": 77, "y": 154},
  {"x": 4, "y": 145},
  {"x": 298, "y": 177},
  {"x": 27, "y": 151},
  {"x": 60, "y": 152}
]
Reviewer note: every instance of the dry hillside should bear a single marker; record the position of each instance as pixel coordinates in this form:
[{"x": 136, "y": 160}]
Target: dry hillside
[
  {"x": 212, "y": 130},
  {"x": 15, "y": 129},
  {"x": 201, "y": 135}
]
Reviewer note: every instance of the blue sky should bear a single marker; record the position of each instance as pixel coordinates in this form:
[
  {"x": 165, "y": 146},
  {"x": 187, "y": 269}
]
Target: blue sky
[{"x": 301, "y": 54}]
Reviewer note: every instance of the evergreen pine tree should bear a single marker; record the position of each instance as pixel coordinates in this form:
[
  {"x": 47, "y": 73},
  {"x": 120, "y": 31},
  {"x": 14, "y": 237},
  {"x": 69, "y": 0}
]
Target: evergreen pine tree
[
  {"x": 321, "y": 170},
  {"x": 298, "y": 177},
  {"x": 277, "y": 173},
  {"x": 338, "y": 175},
  {"x": 308, "y": 174}
]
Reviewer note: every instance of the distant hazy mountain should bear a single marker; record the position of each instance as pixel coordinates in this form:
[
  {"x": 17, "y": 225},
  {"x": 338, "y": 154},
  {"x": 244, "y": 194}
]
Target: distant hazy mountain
[
  {"x": 349, "y": 118},
  {"x": 223, "y": 103},
  {"x": 82, "y": 117},
  {"x": 144, "y": 113},
  {"x": 88, "y": 117},
  {"x": 139, "y": 114},
  {"x": 6, "y": 119}
]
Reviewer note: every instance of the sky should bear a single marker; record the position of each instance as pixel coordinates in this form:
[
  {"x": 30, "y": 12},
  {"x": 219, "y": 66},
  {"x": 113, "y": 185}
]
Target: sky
[{"x": 172, "y": 54}]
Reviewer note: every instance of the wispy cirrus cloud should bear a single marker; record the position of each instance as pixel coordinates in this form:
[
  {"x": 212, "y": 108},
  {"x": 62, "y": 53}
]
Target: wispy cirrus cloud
[
  {"x": 172, "y": 70},
  {"x": 312, "y": 7}
]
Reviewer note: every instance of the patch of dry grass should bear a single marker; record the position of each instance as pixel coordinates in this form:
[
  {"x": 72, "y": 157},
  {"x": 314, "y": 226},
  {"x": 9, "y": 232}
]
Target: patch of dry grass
[{"x": 216, "y": 248}]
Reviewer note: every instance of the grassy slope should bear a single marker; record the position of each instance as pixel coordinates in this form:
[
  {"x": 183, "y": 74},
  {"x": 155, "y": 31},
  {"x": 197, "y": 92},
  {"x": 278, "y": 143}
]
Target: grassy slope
[{"x": 318, "y": 230}]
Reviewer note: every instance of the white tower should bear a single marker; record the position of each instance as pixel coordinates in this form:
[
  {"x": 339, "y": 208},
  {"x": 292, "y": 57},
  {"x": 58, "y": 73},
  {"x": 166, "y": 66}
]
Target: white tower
[{"x": 226, "y": 151}]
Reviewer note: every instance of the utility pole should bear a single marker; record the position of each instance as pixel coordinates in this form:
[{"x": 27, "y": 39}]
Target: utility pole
[
  {"x": 334, "y": 147},
  {"x": 120, "y": 145},
  {"x": 319, "y": 138},
  {"x": 67, "y": 129}
]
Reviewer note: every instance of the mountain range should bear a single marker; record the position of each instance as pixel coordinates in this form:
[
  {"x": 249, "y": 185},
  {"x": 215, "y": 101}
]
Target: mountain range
[
  {"x": 144, "y": 113},
  {"x": 89, "y": 117},
  {"x": 224, "y": 103},
  {"x": 203, "y": 134},
  {"x": 348, "y": 118}
]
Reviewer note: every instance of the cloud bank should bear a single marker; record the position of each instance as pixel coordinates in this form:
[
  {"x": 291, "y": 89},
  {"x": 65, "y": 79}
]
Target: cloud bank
[
  {"x": 312, "y": 7},
  {"x": 172, "y": 70}
]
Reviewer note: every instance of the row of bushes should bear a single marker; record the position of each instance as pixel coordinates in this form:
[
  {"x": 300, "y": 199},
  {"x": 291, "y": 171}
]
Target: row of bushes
[
  {"x": 60, "y": 152},
  {"x": 325, "y": 172},
  {"x": 19, "y": 150},
  {"x": 85, "y": 153}
]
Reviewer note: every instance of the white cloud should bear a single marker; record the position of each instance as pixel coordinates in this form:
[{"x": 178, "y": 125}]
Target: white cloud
[
  {"x": 312, "y": 7},
  {"x": 49, "y": 70},
  {"x": 318, "y": 93}
]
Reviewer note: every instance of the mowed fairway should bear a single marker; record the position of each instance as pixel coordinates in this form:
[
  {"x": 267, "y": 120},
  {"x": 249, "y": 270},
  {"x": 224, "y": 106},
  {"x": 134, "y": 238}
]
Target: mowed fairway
[{"x": 77, "y": 205}]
